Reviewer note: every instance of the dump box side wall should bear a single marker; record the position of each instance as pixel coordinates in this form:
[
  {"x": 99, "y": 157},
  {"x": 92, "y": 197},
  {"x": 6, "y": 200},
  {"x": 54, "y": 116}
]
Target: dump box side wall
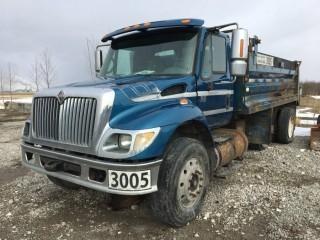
[{"x": 270, "y": 82}]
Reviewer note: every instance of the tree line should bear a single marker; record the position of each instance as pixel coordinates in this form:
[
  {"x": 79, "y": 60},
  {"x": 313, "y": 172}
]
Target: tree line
[
  {"x": 310, "y": 88},
  {"x": 42, "y": 74},
  {"x": 43, "y": 70}
]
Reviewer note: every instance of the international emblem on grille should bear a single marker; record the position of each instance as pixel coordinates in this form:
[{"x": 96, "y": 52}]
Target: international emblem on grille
[{"x": 60, "y": 97}]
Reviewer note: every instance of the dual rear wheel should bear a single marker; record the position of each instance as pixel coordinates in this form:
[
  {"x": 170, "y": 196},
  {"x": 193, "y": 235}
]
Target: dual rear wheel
[{"x": 286, "y": 125}]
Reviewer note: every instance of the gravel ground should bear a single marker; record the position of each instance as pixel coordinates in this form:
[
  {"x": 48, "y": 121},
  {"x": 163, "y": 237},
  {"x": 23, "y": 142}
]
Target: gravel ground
[{"x": 271, "y": 194}]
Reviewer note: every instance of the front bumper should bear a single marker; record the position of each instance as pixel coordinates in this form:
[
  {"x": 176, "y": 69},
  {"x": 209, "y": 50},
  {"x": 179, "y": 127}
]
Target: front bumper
[{"x": 32, "y": 155}]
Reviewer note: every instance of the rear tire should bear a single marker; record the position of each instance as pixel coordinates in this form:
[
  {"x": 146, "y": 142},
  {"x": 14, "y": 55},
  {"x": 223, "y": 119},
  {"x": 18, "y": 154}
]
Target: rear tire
[
  {"x": 286, "y": 125},
  {"x": 63, "y": 183},
  {"x": 182, "y": 182}
]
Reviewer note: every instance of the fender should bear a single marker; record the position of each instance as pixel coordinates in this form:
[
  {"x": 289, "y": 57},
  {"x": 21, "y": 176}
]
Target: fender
[
  {"x": 168, "y": 115},
  {"x": 156, "y": 116}
]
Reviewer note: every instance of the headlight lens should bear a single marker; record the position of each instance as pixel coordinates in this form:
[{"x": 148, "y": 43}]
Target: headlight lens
[
  {"x": 124, "y": 141},
  {"x": 143, "y": 140},
  {"x": 120, "y": 144}
]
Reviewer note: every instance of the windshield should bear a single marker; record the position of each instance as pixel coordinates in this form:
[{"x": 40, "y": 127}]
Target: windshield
[{"x": 158, "y": 52}]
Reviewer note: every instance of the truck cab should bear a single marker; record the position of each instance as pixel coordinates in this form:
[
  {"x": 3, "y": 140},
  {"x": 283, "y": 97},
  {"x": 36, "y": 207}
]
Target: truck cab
[{"x": 173, "y": 100}]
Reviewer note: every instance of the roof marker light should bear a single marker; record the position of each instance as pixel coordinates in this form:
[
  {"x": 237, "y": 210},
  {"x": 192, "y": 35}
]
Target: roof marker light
[
  {"x": 184, "y": 101},
  {"x": 185, "y": 21}
]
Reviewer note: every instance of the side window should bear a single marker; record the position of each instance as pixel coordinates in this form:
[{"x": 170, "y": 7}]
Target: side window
[
  {"x": 206, "y": 71},
  {"x": 124, "y": 62},
  {"x": 219, "y": 60}
]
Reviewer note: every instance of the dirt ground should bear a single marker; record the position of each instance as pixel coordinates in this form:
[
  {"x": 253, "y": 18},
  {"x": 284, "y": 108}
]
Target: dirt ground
[{"x": 271, "y": 194}]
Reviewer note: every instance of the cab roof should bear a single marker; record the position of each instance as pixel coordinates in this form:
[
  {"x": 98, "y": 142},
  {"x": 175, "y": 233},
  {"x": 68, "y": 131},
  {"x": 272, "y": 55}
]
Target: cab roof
[{"x": 189, "y": 22}]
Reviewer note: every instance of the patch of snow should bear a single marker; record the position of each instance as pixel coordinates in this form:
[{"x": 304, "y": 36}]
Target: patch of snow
[
  {"x": 300, "y": 131},
  {"x": 308, "y": 114},
  {"x": 17, "y": 100},
  {"x": 313, "y": 117},
  {"x": 22, "y": 100},
  {"x": 300, "y": 110},
  {"x": 316, "y": 97}
]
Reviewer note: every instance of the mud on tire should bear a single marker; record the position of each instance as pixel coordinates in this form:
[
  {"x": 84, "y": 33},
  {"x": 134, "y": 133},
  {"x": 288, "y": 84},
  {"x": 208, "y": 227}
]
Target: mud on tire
[{"x": 182, "y": 182}]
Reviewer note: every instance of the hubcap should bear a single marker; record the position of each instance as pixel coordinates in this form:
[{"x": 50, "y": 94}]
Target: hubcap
[
  {"x": 291, "y": 127},
  {"x": 191, "y": 183}
]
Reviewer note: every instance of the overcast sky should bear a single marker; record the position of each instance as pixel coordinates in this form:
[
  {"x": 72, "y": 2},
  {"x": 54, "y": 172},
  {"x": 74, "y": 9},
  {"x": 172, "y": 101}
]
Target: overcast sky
[{"x": 288, "y": 29}]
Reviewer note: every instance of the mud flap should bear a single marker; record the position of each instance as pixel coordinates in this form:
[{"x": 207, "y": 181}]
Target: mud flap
[{"x": 259, "y": 127}]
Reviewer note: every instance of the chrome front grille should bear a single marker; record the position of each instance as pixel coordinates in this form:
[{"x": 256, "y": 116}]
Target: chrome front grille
[{"x": 71, "y": 122}]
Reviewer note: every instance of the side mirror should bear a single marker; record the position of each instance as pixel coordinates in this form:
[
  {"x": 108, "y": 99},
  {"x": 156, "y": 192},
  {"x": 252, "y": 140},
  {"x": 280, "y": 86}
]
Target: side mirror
[
  {"x": 100, "y": 54},
  {"x": 239, "y": 52}
]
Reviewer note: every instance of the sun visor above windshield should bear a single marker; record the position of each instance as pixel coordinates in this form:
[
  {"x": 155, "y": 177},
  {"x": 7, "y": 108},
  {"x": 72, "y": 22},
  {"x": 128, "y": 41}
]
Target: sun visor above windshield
[{"x": 153, "y": 25}]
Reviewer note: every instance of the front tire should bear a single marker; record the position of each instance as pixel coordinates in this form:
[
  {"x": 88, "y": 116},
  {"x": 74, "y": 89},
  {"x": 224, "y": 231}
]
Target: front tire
[
  {"x": 286, "y": 125},
  {"x": 182, "y": 182}
]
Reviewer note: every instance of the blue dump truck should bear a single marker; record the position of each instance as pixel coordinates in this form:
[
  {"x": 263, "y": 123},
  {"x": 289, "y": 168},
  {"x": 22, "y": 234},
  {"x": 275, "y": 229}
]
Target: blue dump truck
[{"x": 172, "y": 102}]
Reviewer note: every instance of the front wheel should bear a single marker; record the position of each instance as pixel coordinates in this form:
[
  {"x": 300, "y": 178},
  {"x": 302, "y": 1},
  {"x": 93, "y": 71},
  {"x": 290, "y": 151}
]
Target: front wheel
[{"x": 182, "y": 182}]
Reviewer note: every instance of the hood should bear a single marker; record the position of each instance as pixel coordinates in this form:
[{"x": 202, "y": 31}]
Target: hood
[
  {"x": 140, "y": 88},
  {"x": 110, "y": 103}
]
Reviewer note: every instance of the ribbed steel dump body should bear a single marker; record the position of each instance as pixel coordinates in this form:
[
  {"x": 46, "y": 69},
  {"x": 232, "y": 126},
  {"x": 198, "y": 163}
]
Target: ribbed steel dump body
[
  {"x": 71, "y": 122},
  {"x": 270, "y": 82}
]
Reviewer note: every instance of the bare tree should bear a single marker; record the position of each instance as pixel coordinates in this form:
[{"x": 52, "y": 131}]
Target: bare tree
[
  {"x": 1, "y": 82},
  {"x": 36, "y": 73},
  {"x": 89, "y": 47},
  {"x": 46, "y": 68},
  {"x": 310, "y": 88},
  {"x": 11, "y": 79}
]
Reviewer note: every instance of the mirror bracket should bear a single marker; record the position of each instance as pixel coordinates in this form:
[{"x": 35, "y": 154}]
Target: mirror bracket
[{"x": 99, "y": 56}]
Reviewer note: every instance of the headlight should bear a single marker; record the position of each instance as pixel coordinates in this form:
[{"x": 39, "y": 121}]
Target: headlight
[
  {"x": 143, "y": 140},
  {"x": 120, "y": 144},
  {"x": 124, "y": 141}
]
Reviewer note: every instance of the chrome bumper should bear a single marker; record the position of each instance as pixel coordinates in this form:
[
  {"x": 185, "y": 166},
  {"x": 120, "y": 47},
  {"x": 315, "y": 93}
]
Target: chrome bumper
[{"x": 85, "y": 164}]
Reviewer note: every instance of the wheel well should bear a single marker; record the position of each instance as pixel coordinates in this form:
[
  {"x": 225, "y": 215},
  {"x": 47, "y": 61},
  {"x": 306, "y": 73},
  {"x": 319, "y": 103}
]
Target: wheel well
[{"x": 197, "y": 130}]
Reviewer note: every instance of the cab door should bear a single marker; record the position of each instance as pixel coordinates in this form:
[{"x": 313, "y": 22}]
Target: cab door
[{"x": 214, "y": 87}]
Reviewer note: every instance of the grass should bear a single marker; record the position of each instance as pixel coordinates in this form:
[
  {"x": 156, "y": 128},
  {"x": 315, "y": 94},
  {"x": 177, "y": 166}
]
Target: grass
[{"x": 308, "y": 101}]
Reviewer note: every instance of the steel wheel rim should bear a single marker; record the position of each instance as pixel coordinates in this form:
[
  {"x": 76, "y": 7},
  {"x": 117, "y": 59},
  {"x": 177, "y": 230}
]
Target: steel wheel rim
[
  {"x": 291, "y": 127},
  {"x": 191, "y": 182}
]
